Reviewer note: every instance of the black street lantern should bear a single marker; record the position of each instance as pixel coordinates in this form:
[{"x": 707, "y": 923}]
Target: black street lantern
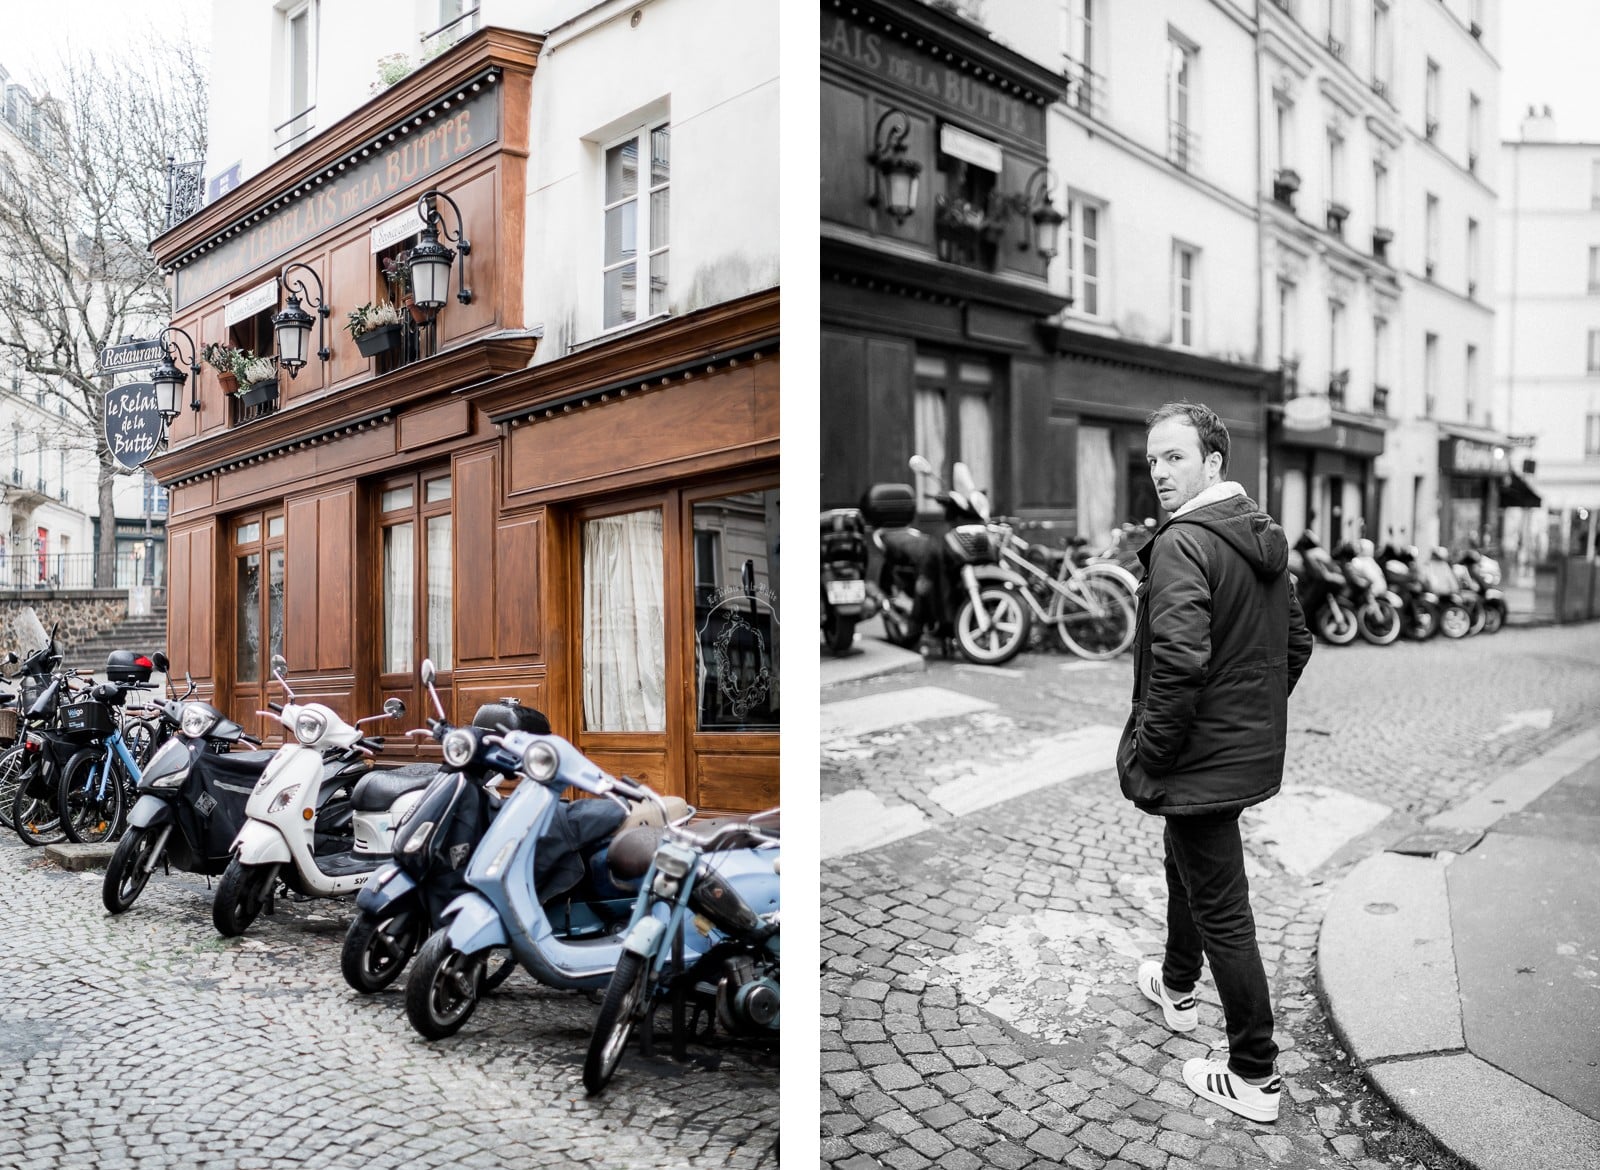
[
  {"x": 291, "y": 329},
  {"x": 168, "y": 377},
  {"x": 430, "y": 260},
  {"x": 1045, "y": 235},
  {"x": 894, "y": 176}
]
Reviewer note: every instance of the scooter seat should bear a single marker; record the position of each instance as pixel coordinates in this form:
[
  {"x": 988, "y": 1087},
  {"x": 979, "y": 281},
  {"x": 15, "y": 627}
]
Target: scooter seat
[
  {"x": 631, "y": 851},
  {"x": 377, "y": 791}
]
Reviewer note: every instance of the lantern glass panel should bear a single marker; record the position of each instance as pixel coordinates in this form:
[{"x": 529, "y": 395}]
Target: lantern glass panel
[
  {"x": 293, "y": 340},
  {"x": 430, "y": 281}
]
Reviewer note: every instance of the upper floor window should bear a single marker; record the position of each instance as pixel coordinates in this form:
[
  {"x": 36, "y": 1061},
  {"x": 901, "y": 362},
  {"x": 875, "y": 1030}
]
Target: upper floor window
[
  {"x": 1594, "y": 351},
  {"x": 1182, "y": 142},
  {"x": 1288, "y": 325},
  {"x": 1382, "y": 49},
  {"x": 1085, "y": 91},
  {"x": 1185, "y": 311},
  {"x": 1591, "y": 435},
  {"x": 1430, "y": 104},
  {"x": 637, "y": 222},
  {"x": 299, "y": 33},
  {"x": 1430, "y": 373},
  {"x": 1472, "y": 382},
  {"x": 1283, "y": 133},
  {"x": 1085, "y": 226},
  {"x": 1339, "y": 28},
  {"x": 457, "y": 19},
  {"x": 1380, "y": 360},
  {"x": 1474, "y": 131},
  {"x": 1380, "y": 194},
  {"x": 1594, "y": 183},
  {"x": 1472, "y": 258},
  {"x": 1594, "y": 268},
  {"x": 1431, "y": 223}
]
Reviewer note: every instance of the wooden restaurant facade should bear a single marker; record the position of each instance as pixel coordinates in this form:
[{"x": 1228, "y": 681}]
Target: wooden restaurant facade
[{"x": 595, "y": 534}]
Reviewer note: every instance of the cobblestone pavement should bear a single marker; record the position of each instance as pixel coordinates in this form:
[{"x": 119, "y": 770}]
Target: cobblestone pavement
[
  {"x": 147, "y": 1040},
  {"x": 976, "y": 989}
]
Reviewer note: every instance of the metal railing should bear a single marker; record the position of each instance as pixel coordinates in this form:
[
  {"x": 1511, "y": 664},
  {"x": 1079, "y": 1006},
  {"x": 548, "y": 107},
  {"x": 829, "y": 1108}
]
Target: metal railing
[
  {"x": 289, "y": 134},
  {"x": 30, "y": 571},
  {"x": 446, "y": 35},
  {"x": 1183, "y": 146},
  {"x": 1086, "y": 89}
]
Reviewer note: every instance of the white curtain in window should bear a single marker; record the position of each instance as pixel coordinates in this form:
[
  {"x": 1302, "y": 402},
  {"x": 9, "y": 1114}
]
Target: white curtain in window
[
  {"x": 399, "y": 604},
  {"x": 977, "y": 441},
  {"x": 1097, "y": 486},
  {"x": 624, "y": 636},
  {"x": 441, "y": 646},
  {"x": 930, "y": 442}
]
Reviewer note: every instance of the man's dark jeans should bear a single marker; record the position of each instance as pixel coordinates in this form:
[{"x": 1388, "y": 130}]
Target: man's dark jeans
[{"x": 1208, "y": 907}]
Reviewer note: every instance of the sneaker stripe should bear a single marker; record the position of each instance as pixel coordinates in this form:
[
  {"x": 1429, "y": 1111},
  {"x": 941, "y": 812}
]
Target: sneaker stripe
[
  {"x": 1227, "y": 1086},
  {"x": 1184, "y": 1005}
]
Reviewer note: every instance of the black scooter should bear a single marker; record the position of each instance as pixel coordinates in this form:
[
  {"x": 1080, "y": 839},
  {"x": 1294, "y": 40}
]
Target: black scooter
[
  {"x": 1324, "y": 593},
  {"x": 954, "y": 588},
  {"x": 844, "y": 577},
  {"x": 192, "y": 796},
  {"x": 1483, "y": 576}
]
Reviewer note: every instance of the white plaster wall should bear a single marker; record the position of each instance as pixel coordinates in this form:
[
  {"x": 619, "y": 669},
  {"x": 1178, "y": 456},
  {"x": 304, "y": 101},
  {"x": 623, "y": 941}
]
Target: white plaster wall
[{"x": 710, "y": 66}]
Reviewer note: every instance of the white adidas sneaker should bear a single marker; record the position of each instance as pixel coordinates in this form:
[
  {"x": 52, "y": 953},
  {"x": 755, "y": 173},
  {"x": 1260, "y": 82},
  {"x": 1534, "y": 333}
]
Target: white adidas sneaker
[
  {"x": 1212, "y": 1080},
  {"x": 1181, "y": 1015}
]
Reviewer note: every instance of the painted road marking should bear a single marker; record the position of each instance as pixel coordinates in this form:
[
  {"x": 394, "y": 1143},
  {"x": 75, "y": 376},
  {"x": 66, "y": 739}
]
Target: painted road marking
[
  {"x": 1058, "y": 758},
  {"x": 853, "y": 717},
  {"x": 1084, "y": 664},
  {"x": 857, "y": 820},
  {"x": 992, "y": 671},
  {"x": 1304, "y": 825},
  {"x": 1538, "y": 720}
]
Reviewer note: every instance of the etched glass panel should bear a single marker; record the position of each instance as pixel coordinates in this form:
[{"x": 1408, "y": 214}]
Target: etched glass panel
[
  {"x": 736, "y": 612},
  {"x": 247, "y": 617}
]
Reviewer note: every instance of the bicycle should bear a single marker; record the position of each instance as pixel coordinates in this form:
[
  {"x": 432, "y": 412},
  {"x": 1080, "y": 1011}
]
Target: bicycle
[
  {"x": 98, "y": 786},
  {"x": 1091, "y": 607},
  {"x": 46, "y": 748}
]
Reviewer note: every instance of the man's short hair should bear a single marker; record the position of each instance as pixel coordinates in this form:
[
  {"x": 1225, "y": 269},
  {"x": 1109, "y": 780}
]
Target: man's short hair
[{"x": 1213, "y": 435}]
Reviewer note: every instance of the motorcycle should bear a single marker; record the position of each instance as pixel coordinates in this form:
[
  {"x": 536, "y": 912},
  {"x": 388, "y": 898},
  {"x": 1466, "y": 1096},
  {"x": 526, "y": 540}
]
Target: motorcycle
[
  {"x": 844, "y": 577},
  {"x": 726, "y": 881},
  {"x": 1323, "y": 592},
  {"x": 1482, "y": 574},
  {"x": 46, "y": 751},
  {"x": 564, "y": 923},
  {"x": 192, "y": 797},
  {"x": 1460, "y": 614},
  {"x": 33, "y": 675},
  {"x": 1378, "y": 609},
  {"x": 1419, "y": 606},
  {"x": 320, "y": 817},
  {"x": 953, "y": 588}
]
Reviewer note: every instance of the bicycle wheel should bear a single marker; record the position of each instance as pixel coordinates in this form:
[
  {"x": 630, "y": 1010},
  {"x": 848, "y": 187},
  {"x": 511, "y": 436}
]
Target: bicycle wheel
[
  {"x": 141, "y": 737},
  {"x": 33, "y": 809},
  {"x": 1098, "y": 623},
  {"x": 12, "y": 763},
  {"x": 90, "y": 797}
]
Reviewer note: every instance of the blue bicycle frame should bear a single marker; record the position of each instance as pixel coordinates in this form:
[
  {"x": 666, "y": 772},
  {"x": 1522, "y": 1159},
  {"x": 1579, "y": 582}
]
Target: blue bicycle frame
[{"x": 113, "y": 743}]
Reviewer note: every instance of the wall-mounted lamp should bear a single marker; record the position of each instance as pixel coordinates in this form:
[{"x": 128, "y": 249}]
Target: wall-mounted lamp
[
  {"x": 168, "y": 377},
  {"x": 894, "y": 176},
  {"x": 430, "y": 260},
  {"x": 1044, "y": 234},
  {"x": 291, "y": 329}
]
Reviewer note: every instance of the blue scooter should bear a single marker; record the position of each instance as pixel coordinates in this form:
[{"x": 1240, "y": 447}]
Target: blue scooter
[{"x": 571, "y": 941}]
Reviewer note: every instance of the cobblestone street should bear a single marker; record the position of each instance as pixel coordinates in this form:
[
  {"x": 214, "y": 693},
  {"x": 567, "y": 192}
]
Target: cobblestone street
[
  {"x": 147, "y": 1040},
  {"x": 977, "y": 997}
]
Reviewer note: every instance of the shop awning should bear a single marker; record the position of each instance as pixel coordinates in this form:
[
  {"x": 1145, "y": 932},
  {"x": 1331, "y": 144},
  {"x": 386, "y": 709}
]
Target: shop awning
[{"x": 1516, "y": 492}]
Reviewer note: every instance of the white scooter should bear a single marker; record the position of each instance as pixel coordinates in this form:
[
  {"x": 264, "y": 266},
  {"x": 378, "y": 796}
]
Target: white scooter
[{"x": 299, "y": 821}]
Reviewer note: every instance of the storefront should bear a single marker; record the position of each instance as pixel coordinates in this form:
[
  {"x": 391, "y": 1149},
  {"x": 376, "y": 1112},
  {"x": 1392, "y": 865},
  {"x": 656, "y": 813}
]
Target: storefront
[
  {"x": 1476, "y": 485},
  {"x": 596, "y": 535},
  {"x": 931, "y": 307},
  {"x": 1323, "y": 480}
]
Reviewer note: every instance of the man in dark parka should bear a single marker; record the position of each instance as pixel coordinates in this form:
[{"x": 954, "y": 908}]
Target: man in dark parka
[{"x": 1219, "y": 646}]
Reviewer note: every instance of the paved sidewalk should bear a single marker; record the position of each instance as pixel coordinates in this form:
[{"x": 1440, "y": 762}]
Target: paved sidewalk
[
  {"x": 1462, "y": 968},
  {"x": 870, "y": 657}
]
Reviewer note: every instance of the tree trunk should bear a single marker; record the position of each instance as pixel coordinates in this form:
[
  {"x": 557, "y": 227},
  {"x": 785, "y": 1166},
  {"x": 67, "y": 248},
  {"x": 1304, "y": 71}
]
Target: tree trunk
[{"x": 105, "y": 563}]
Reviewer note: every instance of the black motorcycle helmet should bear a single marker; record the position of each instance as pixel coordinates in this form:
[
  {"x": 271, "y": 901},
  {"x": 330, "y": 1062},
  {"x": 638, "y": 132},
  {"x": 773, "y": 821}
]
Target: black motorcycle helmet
[{"x": 508, "y": 713}]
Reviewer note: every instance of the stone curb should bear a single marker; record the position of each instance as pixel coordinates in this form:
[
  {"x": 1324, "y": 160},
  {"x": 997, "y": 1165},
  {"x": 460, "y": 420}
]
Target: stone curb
[
  {"x": 1386, "y": 975},
  {"x": 78, "y": 858},
  {"x": 871, "y": 658}
]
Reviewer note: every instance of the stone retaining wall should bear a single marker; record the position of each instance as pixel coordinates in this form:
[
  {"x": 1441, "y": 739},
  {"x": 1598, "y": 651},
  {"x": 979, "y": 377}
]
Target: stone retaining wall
[{"x": 83, "y": 613}]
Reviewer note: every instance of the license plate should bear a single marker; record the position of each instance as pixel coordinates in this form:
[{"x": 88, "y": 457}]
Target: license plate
[{"x": 847, "y": 592}]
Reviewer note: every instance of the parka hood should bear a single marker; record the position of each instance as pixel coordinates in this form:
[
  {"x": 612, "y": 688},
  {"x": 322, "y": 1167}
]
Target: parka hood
[{"x": 1255, "y": 535}]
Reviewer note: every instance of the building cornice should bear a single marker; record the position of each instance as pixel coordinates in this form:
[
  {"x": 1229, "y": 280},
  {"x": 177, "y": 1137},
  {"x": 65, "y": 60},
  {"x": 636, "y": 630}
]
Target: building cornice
[
  {"x": 858, "y": 262},
  {"x": 1069, "y": 342},
  {"x": 480, "y": 59}
]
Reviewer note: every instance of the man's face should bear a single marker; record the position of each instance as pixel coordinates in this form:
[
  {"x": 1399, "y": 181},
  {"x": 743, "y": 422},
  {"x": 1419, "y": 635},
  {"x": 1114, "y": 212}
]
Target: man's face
[{"x": 1176, "y": 467}]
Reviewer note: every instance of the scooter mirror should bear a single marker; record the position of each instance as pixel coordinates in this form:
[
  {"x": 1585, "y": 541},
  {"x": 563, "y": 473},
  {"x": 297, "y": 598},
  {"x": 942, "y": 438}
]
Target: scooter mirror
[
  {"x": 280, "y": 665},
  {"x": 426, "y": 673},
  {"x": 160, "y": 661},
  {"x": 962, "y": 481},
  {"x": 394, "y": 708},
  {"x": 11, "y": 658},
  {"x": 979, "y": 503},
  {"x": 920, "y": 465}
]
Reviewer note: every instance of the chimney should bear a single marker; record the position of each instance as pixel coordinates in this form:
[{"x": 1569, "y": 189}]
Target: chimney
[{"x": 1539, "y": 125}]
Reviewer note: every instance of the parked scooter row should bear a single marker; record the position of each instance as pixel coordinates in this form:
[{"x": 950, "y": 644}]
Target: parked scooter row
[
  {"x": 1350, "y": 594},
  {"x": 475, "y": 884}
]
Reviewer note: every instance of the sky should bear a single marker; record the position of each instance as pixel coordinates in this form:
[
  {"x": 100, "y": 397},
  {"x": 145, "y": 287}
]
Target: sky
[
  {"x": 1546, "y": 57},
  {"x": 38, "y": 34}
]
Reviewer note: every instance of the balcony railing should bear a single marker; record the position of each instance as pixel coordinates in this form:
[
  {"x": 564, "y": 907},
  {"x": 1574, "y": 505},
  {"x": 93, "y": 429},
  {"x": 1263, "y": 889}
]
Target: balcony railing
[
  {"x": 1183, "y": 146},
  {"x": 28, "y": 572},
  {"x": 1336, "y": 386},
  {"x": 1086, "y": 91},
  {"x": 1380, "y": 400},
  {"x": 290, "y": 134},
  {"x": 1288, "y": 379},
  {"x": 446, "y": 35}
]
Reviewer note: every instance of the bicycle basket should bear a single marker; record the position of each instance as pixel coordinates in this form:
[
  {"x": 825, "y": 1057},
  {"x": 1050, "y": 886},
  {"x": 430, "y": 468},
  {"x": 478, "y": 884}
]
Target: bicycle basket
[
  {"x": 88, "y": 720},
  {"x": 8, "y": 724}
]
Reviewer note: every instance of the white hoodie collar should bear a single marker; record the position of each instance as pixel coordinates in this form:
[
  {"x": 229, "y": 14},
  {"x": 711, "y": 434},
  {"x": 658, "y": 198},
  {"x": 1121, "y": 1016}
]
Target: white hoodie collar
[{"x": 1215, "y": 494}]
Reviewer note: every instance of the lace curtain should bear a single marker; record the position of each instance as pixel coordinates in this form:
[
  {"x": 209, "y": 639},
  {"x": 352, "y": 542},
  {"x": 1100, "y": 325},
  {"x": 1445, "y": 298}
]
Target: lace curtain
[
  {"x": 398, "y": 597},
  {"x": 1097, "y": 486},
  {"x": 441, "y": 647},
  {"x": 624, "y": 636}
]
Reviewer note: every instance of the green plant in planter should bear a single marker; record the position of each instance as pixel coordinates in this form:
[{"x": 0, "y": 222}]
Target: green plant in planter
[
  {"x": 371, "y": 316},
  {"x": 253, "y": 371},
  {"x": 392, "y": 68},
  {"x": 397, "y": 274},
  {"x": 221, "y": 358}
]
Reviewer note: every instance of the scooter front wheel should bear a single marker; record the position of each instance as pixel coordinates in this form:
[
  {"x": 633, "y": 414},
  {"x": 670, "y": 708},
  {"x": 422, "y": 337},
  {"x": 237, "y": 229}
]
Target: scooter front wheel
[
  {"x": 129, "y": 869},
  {"x": 1454, "y": 621},
  {"x": 1379, "y": 622},
  {"x": 241, "y": 894},
  {"x": 1007, "y": 631},
  {"x": 614, "y": 1024},
  {"x": 1336, "y": 622},
  {"x": 498, "y": 966},
  {"x": 1494, "y": 616},
  {"x": 375, "y": 952},
  {"x": 442, "y": 988}
]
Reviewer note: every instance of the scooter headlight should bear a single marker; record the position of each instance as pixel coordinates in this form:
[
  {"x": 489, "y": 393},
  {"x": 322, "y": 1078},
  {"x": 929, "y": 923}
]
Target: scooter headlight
[
  {"x": 282, "y": 800},
  {"x": 541, "y": 761},
  {"x": 458, "y": 748},
  {"x": 674, "y": 860},
  {"x": 309, "y": 727},
  {"x": 419, "y": 838},
  {"x": 196, "y": 720}
]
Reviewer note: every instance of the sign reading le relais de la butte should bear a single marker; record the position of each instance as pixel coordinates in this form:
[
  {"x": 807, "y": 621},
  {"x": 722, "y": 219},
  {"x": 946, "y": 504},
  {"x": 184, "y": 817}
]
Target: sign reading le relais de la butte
[
  {"x": 415, "y": 155},
  {"x": 936, "y": 82}
]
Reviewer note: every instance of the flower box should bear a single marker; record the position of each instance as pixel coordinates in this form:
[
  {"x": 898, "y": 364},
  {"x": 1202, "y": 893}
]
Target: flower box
[
  {"x": 379, "y": 340},
  {"x": 258, "y": 393}
]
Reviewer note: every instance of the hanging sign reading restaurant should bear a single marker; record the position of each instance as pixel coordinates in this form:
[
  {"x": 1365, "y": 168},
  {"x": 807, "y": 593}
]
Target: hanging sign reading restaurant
[
  {"x": 131, "y": 355},
  {"x": 416, "y": 153},
  {"x": 133, "y": 424}
]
